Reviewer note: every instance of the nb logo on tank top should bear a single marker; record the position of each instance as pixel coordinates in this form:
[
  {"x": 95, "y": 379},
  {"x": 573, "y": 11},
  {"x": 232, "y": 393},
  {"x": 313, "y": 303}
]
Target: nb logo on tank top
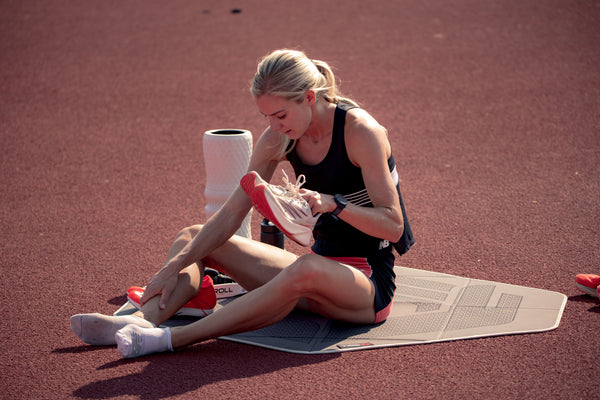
[{"x": 384, "y": 244}]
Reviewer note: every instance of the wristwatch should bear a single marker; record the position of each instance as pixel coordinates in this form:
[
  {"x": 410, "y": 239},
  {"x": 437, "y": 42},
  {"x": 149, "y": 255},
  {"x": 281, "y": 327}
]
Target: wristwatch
[{"x": 341, "y": 204}]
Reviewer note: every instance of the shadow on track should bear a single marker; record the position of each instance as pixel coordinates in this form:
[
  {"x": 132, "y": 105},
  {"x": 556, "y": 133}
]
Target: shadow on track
[
  {"x": 167, "y": 375},
  {"x": 584, "y": 298}
]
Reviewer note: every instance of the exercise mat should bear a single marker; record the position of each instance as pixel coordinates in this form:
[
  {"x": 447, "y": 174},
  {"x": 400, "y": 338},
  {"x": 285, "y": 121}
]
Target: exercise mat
[{"x": 428, "y": 307}]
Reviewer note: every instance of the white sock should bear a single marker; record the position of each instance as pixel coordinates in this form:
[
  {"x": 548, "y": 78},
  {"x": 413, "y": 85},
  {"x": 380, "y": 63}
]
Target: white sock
[
  {"x": 98, "y": 329},
  {"x": 134, "y": 341}
]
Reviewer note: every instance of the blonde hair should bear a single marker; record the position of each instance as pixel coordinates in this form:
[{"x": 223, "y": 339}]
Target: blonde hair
[{"x": 290, "y": 74}]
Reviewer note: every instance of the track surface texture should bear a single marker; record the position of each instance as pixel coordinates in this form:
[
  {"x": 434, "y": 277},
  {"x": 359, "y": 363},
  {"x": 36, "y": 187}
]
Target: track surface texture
[{"x": 493, "y": 113}]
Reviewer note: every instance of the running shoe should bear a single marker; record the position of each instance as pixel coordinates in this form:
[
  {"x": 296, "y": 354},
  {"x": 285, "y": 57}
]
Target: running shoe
[
  {"x": 225, "y": 286},
  {"x": 282, "y": 205},
  {"x": 589, "y": 284},
  {"x": 217, "y": 277},
  {"x": 200, "y": 306}
]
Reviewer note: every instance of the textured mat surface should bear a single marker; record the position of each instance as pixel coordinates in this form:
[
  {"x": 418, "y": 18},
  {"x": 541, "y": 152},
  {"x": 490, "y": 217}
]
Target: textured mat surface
[{"x": 428, "y": 307}]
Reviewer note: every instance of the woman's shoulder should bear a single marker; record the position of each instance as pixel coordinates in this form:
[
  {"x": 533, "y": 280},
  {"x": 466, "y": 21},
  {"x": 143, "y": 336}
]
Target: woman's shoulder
[
  {"x": 360, "y": 122},
  {"x": 365, "y": 136}
]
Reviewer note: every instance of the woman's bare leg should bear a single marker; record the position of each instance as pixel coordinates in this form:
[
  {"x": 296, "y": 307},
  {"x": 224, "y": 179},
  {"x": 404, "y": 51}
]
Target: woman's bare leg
[{"x": 334, "y": 290}]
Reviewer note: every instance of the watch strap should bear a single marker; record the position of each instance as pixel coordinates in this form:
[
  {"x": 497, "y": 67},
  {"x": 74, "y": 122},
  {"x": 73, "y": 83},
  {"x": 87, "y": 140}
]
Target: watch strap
[{"x": 341, "y": 204}]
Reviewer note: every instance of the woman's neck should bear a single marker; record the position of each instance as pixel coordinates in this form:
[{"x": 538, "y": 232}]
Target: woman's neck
[{"x": 321, "y": 125}]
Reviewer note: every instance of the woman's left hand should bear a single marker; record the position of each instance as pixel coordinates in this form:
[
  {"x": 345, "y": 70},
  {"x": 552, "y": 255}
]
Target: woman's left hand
[{"x": 319, "y": 203}]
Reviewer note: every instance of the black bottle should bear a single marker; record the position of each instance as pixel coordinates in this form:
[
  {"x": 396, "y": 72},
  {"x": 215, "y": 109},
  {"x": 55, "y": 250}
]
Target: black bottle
[{"x": 271, "y": 234}]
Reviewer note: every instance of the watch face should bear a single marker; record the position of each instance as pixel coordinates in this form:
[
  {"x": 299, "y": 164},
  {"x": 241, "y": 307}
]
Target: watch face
[{"x": 340, "y": 200}]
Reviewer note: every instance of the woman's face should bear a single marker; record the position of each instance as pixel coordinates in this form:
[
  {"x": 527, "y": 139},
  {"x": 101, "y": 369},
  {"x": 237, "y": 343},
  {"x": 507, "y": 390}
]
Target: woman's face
[{"x": 286, "y": 116}]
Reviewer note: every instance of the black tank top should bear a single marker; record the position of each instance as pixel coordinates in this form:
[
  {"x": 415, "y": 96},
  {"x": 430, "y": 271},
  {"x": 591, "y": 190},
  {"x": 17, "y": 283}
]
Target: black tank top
[{"x": 337, "y": 174}]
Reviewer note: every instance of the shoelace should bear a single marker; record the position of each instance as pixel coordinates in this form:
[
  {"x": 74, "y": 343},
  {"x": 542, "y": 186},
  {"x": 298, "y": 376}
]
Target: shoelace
[{"x": 292, "y": 189}]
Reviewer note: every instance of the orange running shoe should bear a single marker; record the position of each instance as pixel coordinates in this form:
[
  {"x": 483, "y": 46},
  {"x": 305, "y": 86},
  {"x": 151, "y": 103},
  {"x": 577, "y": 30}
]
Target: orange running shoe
[
  {"x": 200, "y": 306},
  {"x": 589, "y": 284}
]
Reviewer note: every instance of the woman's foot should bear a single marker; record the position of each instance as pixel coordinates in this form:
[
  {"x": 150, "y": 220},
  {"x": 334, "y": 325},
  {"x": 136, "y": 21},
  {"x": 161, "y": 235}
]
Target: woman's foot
[
  {"x": 134, "y": 341},
  {"x": 99, "y": 330}
]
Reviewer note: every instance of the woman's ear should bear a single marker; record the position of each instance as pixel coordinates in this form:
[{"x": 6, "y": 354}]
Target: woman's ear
[{"x": 310, "y": 97}]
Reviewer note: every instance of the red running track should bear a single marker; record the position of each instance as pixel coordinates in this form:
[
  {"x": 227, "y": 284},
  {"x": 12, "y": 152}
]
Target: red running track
[{"x": 493, "y": 112}]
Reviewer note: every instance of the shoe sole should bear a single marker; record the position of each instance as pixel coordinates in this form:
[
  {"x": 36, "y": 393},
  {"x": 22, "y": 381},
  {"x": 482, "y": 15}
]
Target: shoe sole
[{"x": 587, "y": 290}]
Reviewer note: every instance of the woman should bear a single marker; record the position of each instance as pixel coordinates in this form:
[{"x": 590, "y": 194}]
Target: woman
[{"x": 346, "y": 158}]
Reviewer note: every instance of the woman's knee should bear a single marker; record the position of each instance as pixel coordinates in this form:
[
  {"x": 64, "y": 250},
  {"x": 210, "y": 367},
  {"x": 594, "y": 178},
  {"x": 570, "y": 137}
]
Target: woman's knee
[
  {"x": 188, "y": 233},
  {"x": 304, "y": 274}
]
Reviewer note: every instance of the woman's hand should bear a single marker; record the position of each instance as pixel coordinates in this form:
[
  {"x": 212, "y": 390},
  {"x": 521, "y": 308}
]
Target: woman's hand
[
  {"x": 319, "y": 203},
  {"x": 162, "y": 283}
]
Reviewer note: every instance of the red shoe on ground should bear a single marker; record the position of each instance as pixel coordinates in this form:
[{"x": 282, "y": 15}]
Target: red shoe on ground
[
  {"x": 282, "y": 205},
  {"x": 589, "y": 284},
  {"x": 200, "y": 306}
]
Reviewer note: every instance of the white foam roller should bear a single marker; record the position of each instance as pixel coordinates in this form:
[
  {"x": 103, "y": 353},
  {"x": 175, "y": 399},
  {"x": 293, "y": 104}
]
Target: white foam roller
[{"x": 226, "y": 157}]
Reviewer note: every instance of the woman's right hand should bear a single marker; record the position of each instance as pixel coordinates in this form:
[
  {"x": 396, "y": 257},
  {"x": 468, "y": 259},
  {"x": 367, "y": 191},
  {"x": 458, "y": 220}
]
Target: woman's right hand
[{"x": 162, "y": 283}]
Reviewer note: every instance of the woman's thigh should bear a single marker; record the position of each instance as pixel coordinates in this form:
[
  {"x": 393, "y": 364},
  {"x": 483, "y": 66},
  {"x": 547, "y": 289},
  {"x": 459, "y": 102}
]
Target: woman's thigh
[
  {"x": 250, "y": 263},
  {"x": 337, "y": 290}
]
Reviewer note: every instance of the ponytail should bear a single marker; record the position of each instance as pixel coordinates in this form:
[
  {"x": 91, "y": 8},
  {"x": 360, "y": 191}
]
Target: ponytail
[{"x": 330, "y": 91}]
